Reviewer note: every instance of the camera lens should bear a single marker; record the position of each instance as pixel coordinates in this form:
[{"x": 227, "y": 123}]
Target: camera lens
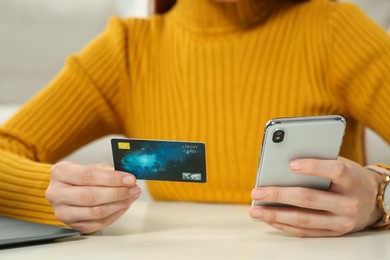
[{"x": 278, "y": 136}]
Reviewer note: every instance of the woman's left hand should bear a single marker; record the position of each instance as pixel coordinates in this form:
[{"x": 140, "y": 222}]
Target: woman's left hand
[{"x": 349, "y": 205}]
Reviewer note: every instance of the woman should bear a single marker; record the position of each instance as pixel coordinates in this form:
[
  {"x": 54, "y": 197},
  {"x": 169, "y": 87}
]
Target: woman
[{"x": 210, "y": 71}]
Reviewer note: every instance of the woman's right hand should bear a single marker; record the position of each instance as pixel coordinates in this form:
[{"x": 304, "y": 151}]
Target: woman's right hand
[{"x": 89, "y": 198}]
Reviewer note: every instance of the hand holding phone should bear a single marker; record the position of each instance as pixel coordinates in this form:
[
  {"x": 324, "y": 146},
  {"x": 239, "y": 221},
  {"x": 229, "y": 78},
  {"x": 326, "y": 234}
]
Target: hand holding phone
[{"x": 286, "y": 139}]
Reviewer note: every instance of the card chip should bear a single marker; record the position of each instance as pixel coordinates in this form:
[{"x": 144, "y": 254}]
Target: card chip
[{"x": 123, "y": 146}]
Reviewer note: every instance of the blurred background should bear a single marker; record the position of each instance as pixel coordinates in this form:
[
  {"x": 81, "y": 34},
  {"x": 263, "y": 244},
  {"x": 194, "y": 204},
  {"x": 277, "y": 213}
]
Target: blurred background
[{"x": 37, "y": 35}]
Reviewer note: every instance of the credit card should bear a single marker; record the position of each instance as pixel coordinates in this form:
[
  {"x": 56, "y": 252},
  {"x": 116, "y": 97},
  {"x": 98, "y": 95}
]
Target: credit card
[{"x": 160, "y": 159}]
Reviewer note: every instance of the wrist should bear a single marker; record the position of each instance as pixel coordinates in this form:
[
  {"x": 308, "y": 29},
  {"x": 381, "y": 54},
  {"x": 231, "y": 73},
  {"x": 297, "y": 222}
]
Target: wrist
[{"x": 382, "y": 216}]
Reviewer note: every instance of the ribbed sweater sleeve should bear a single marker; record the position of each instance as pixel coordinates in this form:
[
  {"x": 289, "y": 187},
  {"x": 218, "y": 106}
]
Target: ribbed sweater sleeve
[
  {"x": 79, "y": 105},
  {"x": 360, "y": 62}
]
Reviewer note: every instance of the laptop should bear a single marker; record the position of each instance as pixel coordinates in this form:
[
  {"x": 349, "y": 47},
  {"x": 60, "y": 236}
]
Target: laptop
[{"x": 16, "y": 232}]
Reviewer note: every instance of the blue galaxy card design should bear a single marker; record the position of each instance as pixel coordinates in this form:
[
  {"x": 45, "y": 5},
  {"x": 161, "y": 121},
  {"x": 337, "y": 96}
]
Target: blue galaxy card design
[{"x": 160, "y": 160}]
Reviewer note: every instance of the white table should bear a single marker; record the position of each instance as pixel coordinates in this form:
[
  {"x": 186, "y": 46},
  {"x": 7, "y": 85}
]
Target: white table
[{"x": 172, "y": 230}]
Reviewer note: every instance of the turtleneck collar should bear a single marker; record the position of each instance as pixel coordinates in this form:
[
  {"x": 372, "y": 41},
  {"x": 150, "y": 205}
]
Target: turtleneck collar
[{"x": 213, "y": 16}]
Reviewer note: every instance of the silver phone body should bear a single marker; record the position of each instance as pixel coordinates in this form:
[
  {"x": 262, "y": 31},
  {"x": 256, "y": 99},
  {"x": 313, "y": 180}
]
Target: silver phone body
[{"x": 317, "y": 137}]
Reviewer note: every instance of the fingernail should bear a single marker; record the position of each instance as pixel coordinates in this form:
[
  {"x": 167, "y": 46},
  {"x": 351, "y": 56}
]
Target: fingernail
[
  {"x": 296, "y": 165},
  {"x": 137, "y": 194},
  {"x": 128, "y": 180},
  {"x": 258, "y": 194}
]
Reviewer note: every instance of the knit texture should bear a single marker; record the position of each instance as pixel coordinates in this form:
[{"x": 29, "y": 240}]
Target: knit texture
[{"x": 205, "y": 71}]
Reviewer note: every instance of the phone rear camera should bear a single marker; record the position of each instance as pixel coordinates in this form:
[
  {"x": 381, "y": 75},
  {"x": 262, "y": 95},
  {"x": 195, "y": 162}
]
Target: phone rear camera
[{"x": 278, "y": 136}]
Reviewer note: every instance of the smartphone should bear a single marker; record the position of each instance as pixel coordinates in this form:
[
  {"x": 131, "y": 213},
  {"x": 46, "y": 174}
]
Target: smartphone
[{"x": 286, "y": 139}]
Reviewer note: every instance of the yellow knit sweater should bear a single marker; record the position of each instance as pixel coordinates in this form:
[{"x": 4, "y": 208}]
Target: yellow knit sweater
[{"x": 208, "y": 72}]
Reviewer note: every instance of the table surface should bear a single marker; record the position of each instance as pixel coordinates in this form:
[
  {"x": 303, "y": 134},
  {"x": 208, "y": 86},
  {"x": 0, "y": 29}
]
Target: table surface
[{"x": 173, "y": 230}]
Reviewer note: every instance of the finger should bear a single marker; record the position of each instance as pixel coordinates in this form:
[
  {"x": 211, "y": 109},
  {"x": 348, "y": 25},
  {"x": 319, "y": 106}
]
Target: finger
[
  {"x": 335, "y": 170},
  {"x": 94, "y": 196},
  {"x": 302, "y": 232},
  {"x": 301, "y": 197},
  {"x": 301, "y": 218},
  {"x": 87, "y": 227},
  {"x": 72, "y": 214},
  {"x": 74, "y": 174}
]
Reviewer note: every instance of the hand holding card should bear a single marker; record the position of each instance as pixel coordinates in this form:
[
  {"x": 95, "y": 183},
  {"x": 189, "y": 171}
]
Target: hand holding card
[
  {"x": 90, "y": 197},
  {"x": 161, "y": 160}
]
